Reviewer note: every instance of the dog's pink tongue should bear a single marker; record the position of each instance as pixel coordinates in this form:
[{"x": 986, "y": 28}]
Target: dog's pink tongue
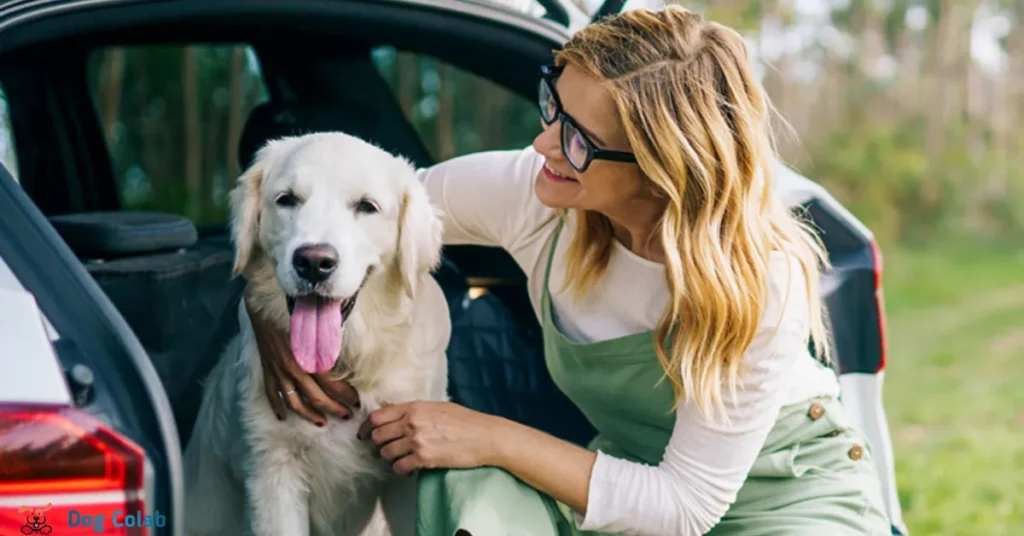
[{"x": 316, "y": 333}]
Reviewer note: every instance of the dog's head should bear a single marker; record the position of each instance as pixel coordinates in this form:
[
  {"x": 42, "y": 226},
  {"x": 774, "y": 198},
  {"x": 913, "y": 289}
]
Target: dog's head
[
  {"x": 35, "y": 514},
  {"x": 324, "y": 212}
]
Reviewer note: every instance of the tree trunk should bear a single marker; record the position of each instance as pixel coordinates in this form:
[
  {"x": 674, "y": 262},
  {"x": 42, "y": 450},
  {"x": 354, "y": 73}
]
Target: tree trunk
[
  {"x": 110, "y": 99},
  {"x": 445, "y": 114},
  {"x": 237, "y": 103},
  {"x": 193, "y": 135}
]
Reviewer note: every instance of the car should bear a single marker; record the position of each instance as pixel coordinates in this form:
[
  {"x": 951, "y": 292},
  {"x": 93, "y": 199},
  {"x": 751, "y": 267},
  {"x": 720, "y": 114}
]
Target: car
[{"x": 115, "y": 287}]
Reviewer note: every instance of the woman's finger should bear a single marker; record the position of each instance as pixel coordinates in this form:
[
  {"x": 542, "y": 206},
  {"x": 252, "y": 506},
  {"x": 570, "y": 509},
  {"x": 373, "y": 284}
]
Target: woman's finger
[
  {"x": 407, "y": 465},
  {"x": 295, "y": 402},
  {"x": 396, "y": 449},
  {"x": 312, "y": 392},
  {"x": 364, "y": 430},
  {"x": 291, "y": 396},
  {"x": 381, "y": 417},
  {"x": 390, "y": 413},
  {"x": 386, "y": 433},
  {"x": 338, "y": 389}
]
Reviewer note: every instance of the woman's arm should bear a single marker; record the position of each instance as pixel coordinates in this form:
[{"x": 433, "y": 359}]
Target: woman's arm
[
  {"x": 487, "y": 198},
  {"x": 426, "y": 434},
  {"x": 548, "y": 464}
]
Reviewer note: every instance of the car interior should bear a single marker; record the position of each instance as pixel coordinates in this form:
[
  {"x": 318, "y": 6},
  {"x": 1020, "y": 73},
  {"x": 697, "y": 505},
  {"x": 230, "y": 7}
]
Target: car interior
[{"x": 170, "y": 278}]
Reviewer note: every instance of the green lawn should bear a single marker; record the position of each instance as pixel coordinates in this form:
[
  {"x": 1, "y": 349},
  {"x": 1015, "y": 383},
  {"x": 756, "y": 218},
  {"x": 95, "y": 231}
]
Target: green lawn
[{"x": 954, "y": 389}]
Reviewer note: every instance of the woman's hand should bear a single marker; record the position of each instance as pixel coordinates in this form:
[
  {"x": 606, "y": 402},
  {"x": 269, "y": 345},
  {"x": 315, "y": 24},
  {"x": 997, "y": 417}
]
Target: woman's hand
[
  {"x": 287, "y": 385},
  {"x": 427, "y": 435}
]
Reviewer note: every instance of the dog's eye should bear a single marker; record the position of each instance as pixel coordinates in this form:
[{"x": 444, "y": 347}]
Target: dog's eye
[
  {"x": 286, "y": 199},
  {"x": 367, "y": 206}
]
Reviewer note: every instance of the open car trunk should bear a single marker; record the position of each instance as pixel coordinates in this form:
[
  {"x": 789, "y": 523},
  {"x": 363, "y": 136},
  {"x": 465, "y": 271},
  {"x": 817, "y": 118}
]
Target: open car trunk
[{"x": 172, "y": 282}]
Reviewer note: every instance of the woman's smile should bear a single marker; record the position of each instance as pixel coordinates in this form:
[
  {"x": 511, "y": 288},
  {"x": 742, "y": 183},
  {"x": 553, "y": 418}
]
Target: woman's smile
[{"x": 555, "y": 176}]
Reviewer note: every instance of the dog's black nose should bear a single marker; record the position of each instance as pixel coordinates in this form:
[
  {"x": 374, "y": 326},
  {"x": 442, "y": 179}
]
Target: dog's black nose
[{"x": 315, "y": 262}]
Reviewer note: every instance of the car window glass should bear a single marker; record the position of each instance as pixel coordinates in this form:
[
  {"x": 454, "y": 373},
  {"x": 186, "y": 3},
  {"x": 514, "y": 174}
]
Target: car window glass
[
  {"x": 8, "y": 155},
  {"x": 454, "y": 111},
  {"x": 173, "y": 116}
]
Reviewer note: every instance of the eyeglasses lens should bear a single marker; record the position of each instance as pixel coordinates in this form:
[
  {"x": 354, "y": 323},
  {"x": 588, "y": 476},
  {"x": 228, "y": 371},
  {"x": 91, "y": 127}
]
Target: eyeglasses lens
[
  {"x": 546, "y": 100},
  {"x": 572, "y": 143}
]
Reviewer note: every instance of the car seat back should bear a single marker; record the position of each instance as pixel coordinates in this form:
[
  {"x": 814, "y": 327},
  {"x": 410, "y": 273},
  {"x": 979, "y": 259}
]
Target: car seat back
[{"x": 174, "y": 290}]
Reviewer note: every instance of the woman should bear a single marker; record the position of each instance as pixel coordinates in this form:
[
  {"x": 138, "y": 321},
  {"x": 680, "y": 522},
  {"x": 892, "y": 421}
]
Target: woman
[{"x": 677, "y": 298}]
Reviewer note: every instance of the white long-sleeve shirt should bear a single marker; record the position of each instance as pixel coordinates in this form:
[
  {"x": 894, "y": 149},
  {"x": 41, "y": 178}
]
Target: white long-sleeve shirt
[{"x": 488, "y": 199}]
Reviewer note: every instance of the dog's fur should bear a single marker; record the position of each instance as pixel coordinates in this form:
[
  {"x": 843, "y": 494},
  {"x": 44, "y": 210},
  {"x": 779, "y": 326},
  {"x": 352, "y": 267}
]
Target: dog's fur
[{"x": 247, "y": 472}]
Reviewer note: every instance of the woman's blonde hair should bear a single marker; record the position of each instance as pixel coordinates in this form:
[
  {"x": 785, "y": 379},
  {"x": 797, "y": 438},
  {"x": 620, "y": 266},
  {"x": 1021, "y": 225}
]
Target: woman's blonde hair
[{"x": 698, "y": 121}]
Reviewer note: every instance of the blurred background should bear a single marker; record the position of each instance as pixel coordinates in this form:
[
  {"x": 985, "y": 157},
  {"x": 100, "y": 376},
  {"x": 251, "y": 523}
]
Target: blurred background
[{"x": 909, "y": 111}]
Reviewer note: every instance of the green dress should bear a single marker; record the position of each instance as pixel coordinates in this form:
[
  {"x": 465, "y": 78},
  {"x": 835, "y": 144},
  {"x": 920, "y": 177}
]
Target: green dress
[{"x": 814, "y": 475}]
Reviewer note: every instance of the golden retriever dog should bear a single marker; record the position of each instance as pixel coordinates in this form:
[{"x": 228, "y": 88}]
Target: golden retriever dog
[{"x": 337, "y": 239}]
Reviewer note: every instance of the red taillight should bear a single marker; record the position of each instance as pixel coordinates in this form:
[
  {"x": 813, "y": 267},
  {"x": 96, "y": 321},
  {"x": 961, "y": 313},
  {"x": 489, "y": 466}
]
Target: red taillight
[
  {"x": 62, "y": 468},
  {"x": 880, "y": 305}
]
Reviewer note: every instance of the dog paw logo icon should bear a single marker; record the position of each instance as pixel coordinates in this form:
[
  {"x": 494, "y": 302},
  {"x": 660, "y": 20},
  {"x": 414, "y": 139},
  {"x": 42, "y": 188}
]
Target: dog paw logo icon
[{"x": 35, "y": 520}]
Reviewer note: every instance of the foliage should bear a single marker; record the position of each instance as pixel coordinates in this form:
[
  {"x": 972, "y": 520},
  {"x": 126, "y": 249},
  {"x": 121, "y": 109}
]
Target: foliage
[
  {"x": 952, "y": 394},
  {"x": 893, "y": 112}
]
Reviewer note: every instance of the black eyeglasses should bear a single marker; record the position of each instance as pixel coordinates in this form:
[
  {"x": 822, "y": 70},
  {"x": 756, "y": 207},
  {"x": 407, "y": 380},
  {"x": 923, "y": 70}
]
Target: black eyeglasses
[{"x": 578, "y": 149}]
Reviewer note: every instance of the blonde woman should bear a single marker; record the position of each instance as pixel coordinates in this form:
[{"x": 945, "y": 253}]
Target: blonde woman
[{"x": 677, "y": 298}]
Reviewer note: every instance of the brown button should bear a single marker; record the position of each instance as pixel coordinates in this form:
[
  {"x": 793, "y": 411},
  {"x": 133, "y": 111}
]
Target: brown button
[
  {"x": 856, "y": 452},
  {"x": 816, "y": 411},
  {"x": 833, "y": 433}
]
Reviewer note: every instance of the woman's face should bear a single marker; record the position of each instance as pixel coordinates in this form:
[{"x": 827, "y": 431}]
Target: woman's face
[{"x": 605, "y": 186}]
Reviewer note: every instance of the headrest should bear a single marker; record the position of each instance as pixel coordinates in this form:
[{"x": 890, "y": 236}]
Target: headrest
[
  {"x": 108, "y": 235},
  {"x": 271, "y": 120}
]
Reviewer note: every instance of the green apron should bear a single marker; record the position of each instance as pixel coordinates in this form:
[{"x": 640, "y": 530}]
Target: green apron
[{"x": 814, "y": 475}]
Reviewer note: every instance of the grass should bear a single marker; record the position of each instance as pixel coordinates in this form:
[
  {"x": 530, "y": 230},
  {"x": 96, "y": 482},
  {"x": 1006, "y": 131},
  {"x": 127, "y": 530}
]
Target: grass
[{"x": 954, "y": 388}]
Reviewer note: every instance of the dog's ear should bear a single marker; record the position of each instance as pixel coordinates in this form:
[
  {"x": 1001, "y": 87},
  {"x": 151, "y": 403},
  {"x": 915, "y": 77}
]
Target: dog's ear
[
  {"x": 420, "y": 236},
  {"x": 246, "y": 200},
  {"x": 24, "y": 509},
  {"x": 47, "y": 507}
]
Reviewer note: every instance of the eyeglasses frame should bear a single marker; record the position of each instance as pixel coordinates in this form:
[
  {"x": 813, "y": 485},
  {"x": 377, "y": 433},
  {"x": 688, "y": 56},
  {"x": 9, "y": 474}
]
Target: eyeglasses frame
[{"x": 548, "y": 75}]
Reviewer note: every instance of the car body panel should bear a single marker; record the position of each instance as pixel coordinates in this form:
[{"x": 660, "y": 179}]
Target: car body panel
[
  {"x": 127, "y": 394},
  {"x": 862, "y": 400},
  {"x": 31, "y": 372}
]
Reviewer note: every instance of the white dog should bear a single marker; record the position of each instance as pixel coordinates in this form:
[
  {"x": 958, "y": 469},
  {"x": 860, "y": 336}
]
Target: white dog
[{"x": 337, "y": 239}]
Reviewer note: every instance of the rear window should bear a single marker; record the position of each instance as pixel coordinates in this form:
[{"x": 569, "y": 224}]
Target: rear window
[
  {"x": 454, "y": 111},
  {"x": 173, "y": 115}
]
